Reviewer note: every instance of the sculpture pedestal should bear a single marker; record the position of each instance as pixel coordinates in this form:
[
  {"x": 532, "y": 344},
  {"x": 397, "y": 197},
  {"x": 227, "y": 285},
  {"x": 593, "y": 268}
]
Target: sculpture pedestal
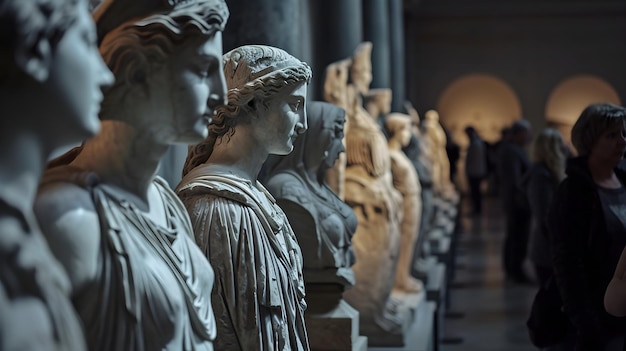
[
  {"x": 337, "y": 329},
  {"x": 402, "y": 307},
  {"x": 331, "y": 323}
]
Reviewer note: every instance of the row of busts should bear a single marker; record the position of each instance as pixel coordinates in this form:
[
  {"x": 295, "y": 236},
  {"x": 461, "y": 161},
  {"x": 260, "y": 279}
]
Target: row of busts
[
  {"x": 383, "y": 186},
  {"x": 217, "y": 263}
]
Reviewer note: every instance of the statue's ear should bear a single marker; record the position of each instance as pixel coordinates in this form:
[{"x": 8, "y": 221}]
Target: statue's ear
[{"x": 35, "y": 61}]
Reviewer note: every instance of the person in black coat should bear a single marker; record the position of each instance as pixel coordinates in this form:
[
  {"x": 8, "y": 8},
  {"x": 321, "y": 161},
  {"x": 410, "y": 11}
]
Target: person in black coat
[
  {"x": 587, "y": 226},
  {"x": 512, "y": 165}
]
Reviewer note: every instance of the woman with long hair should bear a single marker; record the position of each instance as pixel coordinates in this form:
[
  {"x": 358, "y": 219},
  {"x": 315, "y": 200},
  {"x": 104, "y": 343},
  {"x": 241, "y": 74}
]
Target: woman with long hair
[{"x": 547, "y": 171}]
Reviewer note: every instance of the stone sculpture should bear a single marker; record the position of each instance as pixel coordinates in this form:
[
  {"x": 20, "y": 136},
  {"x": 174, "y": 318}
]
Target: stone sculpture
[
  {"x": 51, "y": 77},
  {"x": 139, "y": 280},
  {"x": 259, "y": 287},
  {"x": 323, "y": 224},
  {"x": 369, "y": 191},
  {"x": 405, "y": 180},
  {"x": 417, "y": 151},
  {"x": 442, "y": 184},
  {"x": 377, "y": 102},
  {"x": 337, "y": 92}
]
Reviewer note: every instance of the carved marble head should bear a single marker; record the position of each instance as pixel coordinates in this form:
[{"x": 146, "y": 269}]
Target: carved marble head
[
  {"x": 168, "y": 54},
  {"x": 49, "y": 55},
  {"x": 431, "y": 116},
  {"x": 255, "y": 76},
  {"x": 319, "y": 147},
  {"x": 398, "y": 127},
  {"x": 361, "y": 70}
]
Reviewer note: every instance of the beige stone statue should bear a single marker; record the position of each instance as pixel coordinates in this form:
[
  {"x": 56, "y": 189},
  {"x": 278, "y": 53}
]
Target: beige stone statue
[
  {"x": 406, "y": 181},
  {"x": 377, "y": 102},
  {"x": 369, "y": 191},
  {"x": 436, "y": 136},
  {"x": 139, "y": 281},
  {"x": 51, "y": 77},
  {"x": 259, "y": 288}
]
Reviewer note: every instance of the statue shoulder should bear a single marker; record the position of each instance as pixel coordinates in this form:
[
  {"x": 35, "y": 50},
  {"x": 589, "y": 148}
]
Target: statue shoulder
[{"x": 70, "y": 222}]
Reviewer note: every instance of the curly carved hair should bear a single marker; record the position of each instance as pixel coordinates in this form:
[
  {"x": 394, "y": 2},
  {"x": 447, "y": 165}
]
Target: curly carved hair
[
  {"x": 253, "y": 72},
  {"x": 23, "y": 23},
  {"x": 135, "y": 47}
]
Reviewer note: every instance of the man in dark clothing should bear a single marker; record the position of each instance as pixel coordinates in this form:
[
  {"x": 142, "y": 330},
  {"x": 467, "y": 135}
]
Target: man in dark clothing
[{"x": 513, "y": 163}]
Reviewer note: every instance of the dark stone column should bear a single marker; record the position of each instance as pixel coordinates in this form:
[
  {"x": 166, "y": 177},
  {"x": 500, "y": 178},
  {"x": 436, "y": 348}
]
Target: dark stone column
[
  {"x": 278, "y": 23},
  {"x": 336, "y": 28},
  {"x": 397, "y": 55},
  {"x": 376, "y": 30}
]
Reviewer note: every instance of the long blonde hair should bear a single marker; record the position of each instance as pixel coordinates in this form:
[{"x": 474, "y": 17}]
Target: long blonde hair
[{"x": 548, "y": 148}]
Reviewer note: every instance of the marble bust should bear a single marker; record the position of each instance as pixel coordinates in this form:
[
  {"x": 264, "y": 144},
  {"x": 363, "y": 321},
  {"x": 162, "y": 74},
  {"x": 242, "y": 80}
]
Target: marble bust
[
  {"x": 138, "y": 280},
  {"x": 259, "y": 291},
  {"x": 405, "y": 180},
  {"x": 323, "y": 223},
  {"x": 50, "y": 83}
]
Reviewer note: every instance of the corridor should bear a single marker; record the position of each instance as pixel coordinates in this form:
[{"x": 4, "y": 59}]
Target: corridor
[{"x": 493, "y": 310}]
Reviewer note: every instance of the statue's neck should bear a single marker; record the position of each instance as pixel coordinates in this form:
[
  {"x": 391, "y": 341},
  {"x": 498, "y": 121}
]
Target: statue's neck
[
  {"x": 123, "y": 156},
  {"x": 22, "y": 159}
]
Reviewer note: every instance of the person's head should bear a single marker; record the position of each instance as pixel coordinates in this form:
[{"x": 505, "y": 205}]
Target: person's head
[
  {"x": 398, "y": 127},
  {"x": 599, "y": 132},
  {"x": 166, "y": 57},
  {"x": 520, "y": 132},
  {"x": 49, "y": 59},
  {"x": 361, "y": 69},
  {"x": 470, "y": 131},
  {"x": 548, "y": 148},
  {"x": 267, "y": 91}
]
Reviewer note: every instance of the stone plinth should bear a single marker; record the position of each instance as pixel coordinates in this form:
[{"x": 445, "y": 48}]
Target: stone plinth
[{"x": 336, "y": 330}]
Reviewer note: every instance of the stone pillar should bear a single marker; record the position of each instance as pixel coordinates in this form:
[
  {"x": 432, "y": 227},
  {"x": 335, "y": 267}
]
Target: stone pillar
[
  {"x": 336, "y": 29},
  {"x": 279, "y": 23},
  {"x": 376, "y": 30},
  {"x": 397, "y": 55}
]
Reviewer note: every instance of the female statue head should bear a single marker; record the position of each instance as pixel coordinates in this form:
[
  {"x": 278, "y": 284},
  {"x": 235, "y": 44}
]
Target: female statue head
[
  {"x": 316, "y": 150},
  {"x": 168, "y": 54},
  {"x": 260, "y": 80},
  {"x": 336, "y": 83},
  {"x": 361, "y": 70},
  {"x": 50, "y": 65},
  {"x": 398, "y": 127}
]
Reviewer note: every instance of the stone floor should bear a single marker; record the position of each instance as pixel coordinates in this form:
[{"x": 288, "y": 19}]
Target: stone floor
[{"x": 492, "y": 311}]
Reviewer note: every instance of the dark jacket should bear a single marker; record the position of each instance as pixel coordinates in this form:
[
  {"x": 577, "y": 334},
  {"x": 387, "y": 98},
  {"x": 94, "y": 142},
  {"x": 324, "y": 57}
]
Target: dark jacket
[
  {"x": 540, "y": 185},
  {"x": 579, "y": 243},
  {"x": 513, "y": 164}
]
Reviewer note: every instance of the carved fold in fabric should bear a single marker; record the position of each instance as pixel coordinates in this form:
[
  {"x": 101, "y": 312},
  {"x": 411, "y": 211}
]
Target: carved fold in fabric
[
  {"x": 153, "y": 285},
  {"x": 258, "y": 296}
]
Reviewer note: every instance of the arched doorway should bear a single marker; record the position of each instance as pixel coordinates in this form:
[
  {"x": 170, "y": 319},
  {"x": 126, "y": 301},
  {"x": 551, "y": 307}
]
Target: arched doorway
[
  {"x": 570, "y": 97},
  {"x": 484, "y": 101}
]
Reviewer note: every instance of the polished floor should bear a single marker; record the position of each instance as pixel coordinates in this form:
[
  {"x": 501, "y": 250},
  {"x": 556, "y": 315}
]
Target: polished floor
[
  {"x": 485, "y": 312},
  {"x": 493, "y": 310}
]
